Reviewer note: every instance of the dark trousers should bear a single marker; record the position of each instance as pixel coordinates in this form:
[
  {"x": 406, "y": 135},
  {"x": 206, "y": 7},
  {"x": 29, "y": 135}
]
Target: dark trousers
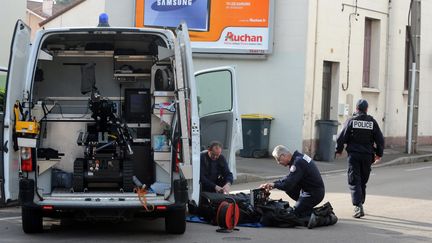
[
  {"x": 359, "y": 168},
  {"x": 305, "y": 201}
]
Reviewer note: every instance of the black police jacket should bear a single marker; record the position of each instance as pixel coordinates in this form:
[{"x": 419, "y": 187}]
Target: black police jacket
[
  {"x": 303, "y": 173},
  {"x": 361, "y": 134}
]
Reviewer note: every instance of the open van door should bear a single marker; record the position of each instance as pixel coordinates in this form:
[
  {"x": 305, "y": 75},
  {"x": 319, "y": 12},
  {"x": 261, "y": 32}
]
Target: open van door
[
  {"x": 218, "y": 111},
  {"x": 16, "y": 80},
  {"x": 189, "y": 120},
  {"x": 3, "y": 76}
]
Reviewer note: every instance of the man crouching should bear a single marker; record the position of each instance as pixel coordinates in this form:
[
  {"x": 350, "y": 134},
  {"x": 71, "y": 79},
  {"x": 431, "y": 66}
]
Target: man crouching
[{"x": 303, "y": 184}]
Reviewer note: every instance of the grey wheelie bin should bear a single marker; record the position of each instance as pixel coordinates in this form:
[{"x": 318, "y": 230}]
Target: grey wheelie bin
[{"x": 256, "y": 135}]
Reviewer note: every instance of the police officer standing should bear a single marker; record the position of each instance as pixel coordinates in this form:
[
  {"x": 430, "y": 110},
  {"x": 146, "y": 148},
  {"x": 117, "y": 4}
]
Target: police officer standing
[{"x": 365, "y": 146}]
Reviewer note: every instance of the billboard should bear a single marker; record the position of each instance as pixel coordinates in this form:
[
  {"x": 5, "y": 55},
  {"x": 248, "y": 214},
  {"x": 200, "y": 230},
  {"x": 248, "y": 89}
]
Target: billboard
[
  {"x": 215, "y": 26},
  {"x": 170, "y": 13}
]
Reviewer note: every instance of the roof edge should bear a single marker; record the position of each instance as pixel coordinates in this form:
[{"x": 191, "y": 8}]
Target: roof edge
[{"x": 35, "y": 14}]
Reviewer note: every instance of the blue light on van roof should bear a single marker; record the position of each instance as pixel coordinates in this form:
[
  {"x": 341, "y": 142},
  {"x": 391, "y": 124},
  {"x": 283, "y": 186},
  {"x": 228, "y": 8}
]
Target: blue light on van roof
[{"x": 103, "y": 20}]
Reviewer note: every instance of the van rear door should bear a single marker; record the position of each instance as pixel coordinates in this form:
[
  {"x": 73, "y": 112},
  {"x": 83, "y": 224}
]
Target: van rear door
[
  {"x": 3, "y": 76},
  {"x": 189, "y": 120},
  {"x": 16, "y": 80},
  {"x": 218, "y": 111}
]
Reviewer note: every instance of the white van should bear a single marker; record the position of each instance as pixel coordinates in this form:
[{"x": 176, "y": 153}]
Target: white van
[{"x": 108, "y": 124}]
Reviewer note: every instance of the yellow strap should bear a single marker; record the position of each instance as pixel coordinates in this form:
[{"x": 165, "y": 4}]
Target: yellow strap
[
  {"x": 17, "y": 112},
  {"x": 142, "y": 197}
]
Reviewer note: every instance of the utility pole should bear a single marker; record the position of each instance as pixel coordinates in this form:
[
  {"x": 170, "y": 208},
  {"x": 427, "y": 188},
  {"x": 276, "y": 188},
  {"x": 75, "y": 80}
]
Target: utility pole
[{"x": 413, "y": 92}]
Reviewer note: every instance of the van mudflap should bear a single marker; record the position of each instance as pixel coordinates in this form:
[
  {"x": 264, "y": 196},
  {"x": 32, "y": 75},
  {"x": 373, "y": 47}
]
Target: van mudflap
[
  {"x": 26, "y": 191},
  {"x": 180, "y": 191}
]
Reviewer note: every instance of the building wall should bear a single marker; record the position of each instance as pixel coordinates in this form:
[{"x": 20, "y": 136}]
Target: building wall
[
  {"x": 84, "y": 14},
  {"x": 397, "y": 98},
  {"x": 121, "y": 13},
  {"x": 116, "y": 11},
  {"x": 328, "y": 32},
  {"x": 33, "y": 22},
  {"x": 9, "y": 15},
  {"x": 328, "y": 38},
  {"x": 425, "y": 105},
  {"x": 275, "y": 85}
]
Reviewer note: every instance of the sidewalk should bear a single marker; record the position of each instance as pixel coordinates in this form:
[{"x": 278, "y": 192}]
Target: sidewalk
[{"x": 263, "y": 169}]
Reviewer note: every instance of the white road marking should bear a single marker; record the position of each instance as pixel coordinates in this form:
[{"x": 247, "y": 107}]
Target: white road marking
[
  {"x": 10, "y": 218},
  {"x": 421, "y": 168}
]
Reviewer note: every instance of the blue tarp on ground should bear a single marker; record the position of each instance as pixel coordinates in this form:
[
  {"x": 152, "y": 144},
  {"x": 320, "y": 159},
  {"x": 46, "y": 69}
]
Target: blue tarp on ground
[{"x": 196, "y": 219}]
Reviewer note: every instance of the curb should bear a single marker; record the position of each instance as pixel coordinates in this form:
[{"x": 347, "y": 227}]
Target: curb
[
  {"x": 406, "y": 160},
  {"x": 248, "y": 177}
]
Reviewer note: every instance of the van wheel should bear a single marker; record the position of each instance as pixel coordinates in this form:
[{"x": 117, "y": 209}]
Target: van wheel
[
  {"x": 32, "y": 221},
  {"x": 175, "y": 222}
]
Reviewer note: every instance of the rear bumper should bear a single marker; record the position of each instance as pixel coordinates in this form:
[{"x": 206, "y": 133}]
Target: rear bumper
[
  {"x": 99, "y": 211},
  {"x": 102, "y": 213},
  {"x": 104, "y": 205},
  {"x": 81, "y": 207}
]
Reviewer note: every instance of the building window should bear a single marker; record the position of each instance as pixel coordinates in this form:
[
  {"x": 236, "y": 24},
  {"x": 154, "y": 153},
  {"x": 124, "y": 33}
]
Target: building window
[{"x": 371, "y": 53}]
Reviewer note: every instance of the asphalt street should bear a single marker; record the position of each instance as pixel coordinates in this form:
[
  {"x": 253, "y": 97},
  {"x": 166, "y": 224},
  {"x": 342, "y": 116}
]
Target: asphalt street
[{"x": 398, "y": 209}]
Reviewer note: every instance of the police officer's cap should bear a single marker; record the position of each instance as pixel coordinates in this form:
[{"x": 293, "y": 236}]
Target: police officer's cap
[{"x": 362, "y": 105}]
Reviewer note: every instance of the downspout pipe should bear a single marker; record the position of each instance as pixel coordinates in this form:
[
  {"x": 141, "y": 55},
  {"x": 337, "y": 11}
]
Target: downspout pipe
[
  {"x": 314, "y": 76},
  {"x": 387, "y": 82}
]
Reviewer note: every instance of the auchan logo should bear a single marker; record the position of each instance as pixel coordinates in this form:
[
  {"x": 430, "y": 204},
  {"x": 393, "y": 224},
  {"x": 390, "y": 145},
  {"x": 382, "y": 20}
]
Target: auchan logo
[
  {"x": 230, "y": 36},
  {"x": 168, "y": 5}
]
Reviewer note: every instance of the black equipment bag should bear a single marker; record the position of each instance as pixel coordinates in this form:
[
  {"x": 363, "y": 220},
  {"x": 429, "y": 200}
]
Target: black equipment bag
[
  {"x": 278, "y": 213},
  {"x": 248, "y": 213}
]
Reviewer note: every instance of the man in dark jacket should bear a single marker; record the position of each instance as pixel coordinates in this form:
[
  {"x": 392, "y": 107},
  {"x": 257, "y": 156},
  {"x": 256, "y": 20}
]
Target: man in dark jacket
[
  {"x": 365, "y": 145},
  {"x": 303, "y": 183},
  {"x": 215, "y": 174}
]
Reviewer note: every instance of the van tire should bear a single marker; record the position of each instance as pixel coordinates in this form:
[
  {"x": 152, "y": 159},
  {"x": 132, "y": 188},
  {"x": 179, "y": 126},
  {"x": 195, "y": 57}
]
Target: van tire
[
  {"x": 175, "y": 221},
  {"x": 32, "y": 220}
]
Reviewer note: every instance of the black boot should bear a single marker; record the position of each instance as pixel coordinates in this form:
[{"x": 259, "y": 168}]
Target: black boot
[
  {"x": 313, "y": 221},
  {"x": 332, "y": 219},
  {"x": 316, "y": 221}
]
